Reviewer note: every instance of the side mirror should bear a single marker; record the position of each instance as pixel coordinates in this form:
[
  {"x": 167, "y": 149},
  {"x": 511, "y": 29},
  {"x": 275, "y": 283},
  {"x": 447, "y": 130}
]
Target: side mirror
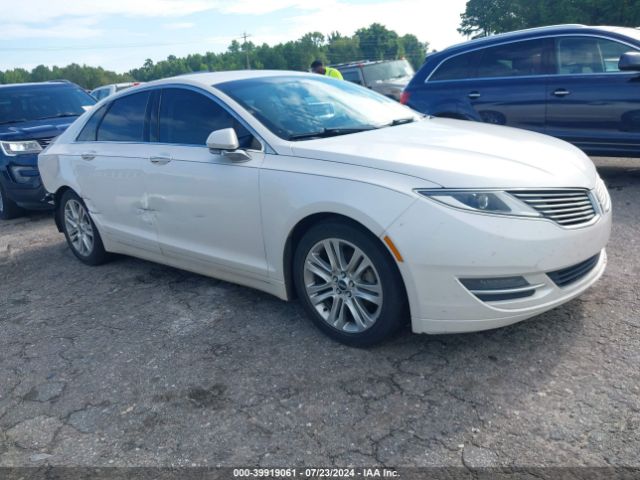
[
  {"x": 225, "y": 142},
  {"x": 629, "y": 61},
  {"x": 225, "y": 139}
]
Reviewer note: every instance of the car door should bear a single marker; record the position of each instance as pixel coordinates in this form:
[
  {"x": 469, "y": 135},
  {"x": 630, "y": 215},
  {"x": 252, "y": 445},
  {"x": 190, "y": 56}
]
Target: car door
[
  {"x": 590, "y": 102},
  {"x": 509, "y": 84},
  {"x": 206, "y": 206},
  {"x": 110, "y": 165}
]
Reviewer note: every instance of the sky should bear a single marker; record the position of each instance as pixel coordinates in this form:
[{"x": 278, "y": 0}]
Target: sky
[{"x": 120, "y": 34}]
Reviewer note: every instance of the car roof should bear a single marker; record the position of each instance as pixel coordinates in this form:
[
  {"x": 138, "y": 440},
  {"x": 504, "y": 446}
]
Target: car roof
[
  {"x": 215, "y": 78},
  {"x": 52, "y": 83},
  {"x": 532, "y": 32},
  {"x": 363, "y": 63}
]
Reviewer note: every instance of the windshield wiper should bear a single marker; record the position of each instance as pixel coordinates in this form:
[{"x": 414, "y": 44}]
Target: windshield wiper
[
  {"x": 6, "y": 122},
  {"x": 330, "y": 132},
  {"x": 60, "y": 115},
  {"x": 401, "y": 121}
]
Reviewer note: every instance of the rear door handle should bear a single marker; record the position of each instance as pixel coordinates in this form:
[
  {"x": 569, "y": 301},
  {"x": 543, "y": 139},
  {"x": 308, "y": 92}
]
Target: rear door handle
[
  {"x": 160, "y": 160},
  {"x": 561, "y": 92},
  {"x": 88, "y": 156},
  {"x": 474, "y": 95}
]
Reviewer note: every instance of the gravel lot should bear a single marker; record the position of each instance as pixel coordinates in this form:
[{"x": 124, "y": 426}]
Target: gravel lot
[{"x": 137, "y": 364}]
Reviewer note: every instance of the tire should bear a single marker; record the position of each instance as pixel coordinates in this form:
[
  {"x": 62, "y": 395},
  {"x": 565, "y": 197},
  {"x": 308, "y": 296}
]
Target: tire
[
  {"x": 359, "y": 300},
  {"x": 8, "y": 208},
  {"x": 81, "y": 233}
]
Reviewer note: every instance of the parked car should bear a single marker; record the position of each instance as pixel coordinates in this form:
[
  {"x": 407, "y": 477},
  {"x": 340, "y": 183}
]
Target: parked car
[
  {"x": 31, "y": 116},
  {"x": 577, "y": 83},
  {"x": 299, "y": 184},
  {"x": 387, "y": 77},
  {"x": 107, "y": 90}
]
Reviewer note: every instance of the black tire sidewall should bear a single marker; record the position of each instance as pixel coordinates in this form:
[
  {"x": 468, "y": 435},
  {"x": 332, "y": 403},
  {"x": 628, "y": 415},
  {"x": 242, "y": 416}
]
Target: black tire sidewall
[
  {"x": 10, "y": 209},
  {"x": 98, "y": 255},
  {"x": 393, "y": 314}
]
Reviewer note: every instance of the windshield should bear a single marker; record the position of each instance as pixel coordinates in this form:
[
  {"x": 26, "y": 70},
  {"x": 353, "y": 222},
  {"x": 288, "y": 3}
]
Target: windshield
[
  {"x": 380, "y": 72},
  {"x": 296, "y": 107},
  {"x": 34, "y": 103}
]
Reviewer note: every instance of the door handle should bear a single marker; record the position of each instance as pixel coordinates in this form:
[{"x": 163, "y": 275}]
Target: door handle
[
  {"x": 474, "y": 95},
  {"x": 160, "y": 160},
  {"x": 88, "y": 156},
  {"x": 561, "y": 92}
]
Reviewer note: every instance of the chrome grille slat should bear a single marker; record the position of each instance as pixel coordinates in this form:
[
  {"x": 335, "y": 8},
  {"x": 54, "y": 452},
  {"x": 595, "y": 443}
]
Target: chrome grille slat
[
  {"x": 563, "y": 210},
  {"x": 556, "y": 194},
  {"x": 552, "y": 201},
  {"x": 568, "y": 208}
]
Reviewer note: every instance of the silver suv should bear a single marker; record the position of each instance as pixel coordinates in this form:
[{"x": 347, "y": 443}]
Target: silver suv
[{"x": 388, "y": 77}]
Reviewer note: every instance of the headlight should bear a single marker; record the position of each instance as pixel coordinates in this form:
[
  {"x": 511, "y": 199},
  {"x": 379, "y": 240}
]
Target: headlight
[
  {"x": 494, "y": 202},
  {"x": 603, "y": 196},
  {"x": 20, "y": 147}
]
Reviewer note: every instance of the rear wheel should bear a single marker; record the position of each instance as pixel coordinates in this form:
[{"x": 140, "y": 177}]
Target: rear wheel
[
  {"x": 8, "y": 208},
  {"x": 80, "y": 231},
  {"x": 349, "y": 284}
]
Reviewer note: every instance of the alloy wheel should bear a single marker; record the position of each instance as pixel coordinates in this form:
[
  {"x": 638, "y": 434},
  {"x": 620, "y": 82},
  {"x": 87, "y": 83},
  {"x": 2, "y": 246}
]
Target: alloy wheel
[
  {"x": 78, "y": 226},
  {"x": 343, "y": 285}
]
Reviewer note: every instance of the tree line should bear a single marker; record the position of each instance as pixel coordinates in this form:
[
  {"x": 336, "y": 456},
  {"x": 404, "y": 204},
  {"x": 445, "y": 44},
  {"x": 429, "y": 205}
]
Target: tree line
[
  {"x": 487, "y": 17},
  {"x": 374, "y": 42}
]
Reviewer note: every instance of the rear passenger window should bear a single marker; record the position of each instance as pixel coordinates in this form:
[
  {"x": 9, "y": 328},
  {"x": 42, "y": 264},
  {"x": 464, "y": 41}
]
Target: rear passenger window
[
  {"x": 125, "y": 119},
  {"x": 579, "y": 55},
  {"x": 515, "y": 59},
  {"x": 88, "y": 133},
  {"x": 459, "y": 67},
  {"x": 188, "y": 117}
]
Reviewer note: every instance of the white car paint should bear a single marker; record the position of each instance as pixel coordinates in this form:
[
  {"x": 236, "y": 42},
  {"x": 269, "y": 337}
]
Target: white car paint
[{"x": 204, "y": 213}]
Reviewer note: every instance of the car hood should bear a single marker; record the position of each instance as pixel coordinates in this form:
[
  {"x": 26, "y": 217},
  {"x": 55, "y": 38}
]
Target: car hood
[
  {"x": 460, "y": 154},
  {"x": 49, "y": 127}
]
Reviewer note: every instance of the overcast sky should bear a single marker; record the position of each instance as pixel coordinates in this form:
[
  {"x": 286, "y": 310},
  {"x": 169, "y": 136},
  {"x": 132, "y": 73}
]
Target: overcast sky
[{"x": 121, "y": 34}]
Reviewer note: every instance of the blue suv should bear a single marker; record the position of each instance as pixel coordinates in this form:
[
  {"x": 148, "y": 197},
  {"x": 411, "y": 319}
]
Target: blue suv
[
  {"x": 574, "y": 82},
  {"x": 31, "y": 116}
]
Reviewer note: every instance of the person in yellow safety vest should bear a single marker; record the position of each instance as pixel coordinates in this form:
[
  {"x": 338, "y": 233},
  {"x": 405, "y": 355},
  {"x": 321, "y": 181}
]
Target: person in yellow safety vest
[{"x": 318, "y": 67}]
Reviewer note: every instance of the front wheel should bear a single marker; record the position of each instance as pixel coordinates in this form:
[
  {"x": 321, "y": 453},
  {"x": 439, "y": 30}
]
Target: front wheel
[
  {"x": 8, "y": 208},
  {"x": 349, "y": 284},
  {"x": 80, "y": 231}
]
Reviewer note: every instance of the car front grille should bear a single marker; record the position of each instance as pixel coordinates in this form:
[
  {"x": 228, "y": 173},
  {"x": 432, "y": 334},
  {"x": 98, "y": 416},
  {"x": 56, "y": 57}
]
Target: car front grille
[
  {"x": 570, "y": 208},
  {"x": 568, "y": 275},
  {"x": 44, "y": 142}
]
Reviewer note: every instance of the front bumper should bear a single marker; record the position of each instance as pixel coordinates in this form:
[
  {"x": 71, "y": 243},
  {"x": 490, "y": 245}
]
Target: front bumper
[
  {"x": 31, "y": 195},
  {"x": 441, "y": 245}
]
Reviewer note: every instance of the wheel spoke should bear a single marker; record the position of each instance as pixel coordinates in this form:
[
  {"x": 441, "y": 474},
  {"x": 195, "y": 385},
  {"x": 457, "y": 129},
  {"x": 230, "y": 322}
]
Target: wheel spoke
[
  {"x": 337, "y": 316},
  {"x": 318, "y": 267},
  {"x": 362, "y": 267},
  {"x": 332, "y": 255},
  {"x": 368, "y": 296},
  {"x": 321, "y": 297},
  {"x": 354, "y": 261},
  {"x": 359, "y": 313}
]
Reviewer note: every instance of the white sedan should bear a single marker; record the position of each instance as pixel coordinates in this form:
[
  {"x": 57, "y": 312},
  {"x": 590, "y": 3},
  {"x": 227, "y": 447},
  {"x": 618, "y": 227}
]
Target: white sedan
[{"x": 305, "y": 186}]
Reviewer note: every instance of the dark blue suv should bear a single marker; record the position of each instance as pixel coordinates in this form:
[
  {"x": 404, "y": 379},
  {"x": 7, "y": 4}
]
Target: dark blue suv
[
  {"x": 31, "y": 116},
  {"x": 577, "y": 83}
]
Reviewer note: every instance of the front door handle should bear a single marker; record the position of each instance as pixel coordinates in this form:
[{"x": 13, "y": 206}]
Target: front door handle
[
  {"x": 160, "y": 160},
  {"x": 561, "y": 92},
  {"x": 88, "y": 156},
  {"x": 474, "y": 95}
]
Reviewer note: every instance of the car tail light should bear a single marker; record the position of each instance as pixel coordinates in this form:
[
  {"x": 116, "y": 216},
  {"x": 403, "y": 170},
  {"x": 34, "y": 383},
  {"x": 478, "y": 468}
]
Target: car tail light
[{"x": 404, "y": 98}]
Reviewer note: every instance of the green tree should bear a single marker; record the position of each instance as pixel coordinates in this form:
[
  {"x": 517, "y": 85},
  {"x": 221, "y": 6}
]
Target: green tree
[
  {"x": 486, "y": 17},
  {"x": 377, "y": 42}
]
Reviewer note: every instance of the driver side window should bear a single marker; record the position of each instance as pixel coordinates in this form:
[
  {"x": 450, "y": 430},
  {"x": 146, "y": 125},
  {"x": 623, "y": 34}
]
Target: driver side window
[{"x": 187, "y": 118}]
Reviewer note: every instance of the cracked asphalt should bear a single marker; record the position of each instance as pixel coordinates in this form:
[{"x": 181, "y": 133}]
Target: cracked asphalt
[{"x": 136, "y": 364}]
